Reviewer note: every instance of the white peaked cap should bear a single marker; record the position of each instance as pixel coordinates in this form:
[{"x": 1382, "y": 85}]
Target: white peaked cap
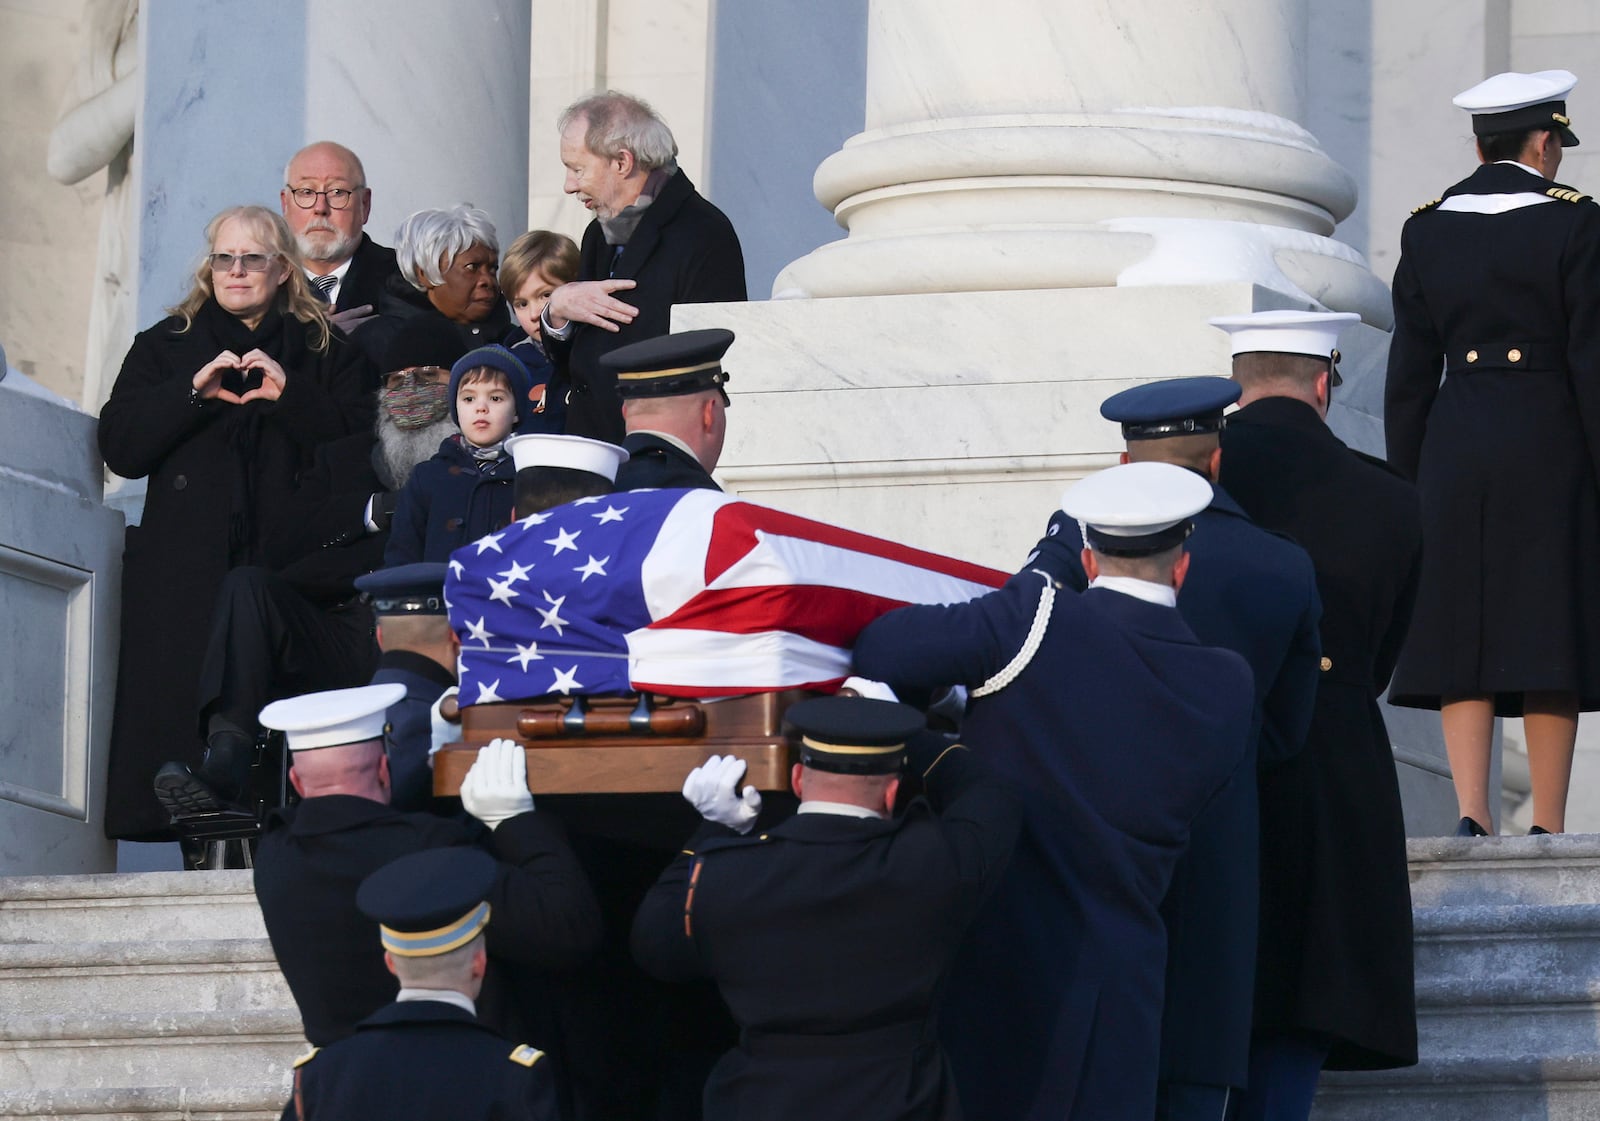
[
  {"x": 1505, "y": 92},
  {"x": 1136, "y": 499},
  {"x": 539, "y": 449},
  {"x": 1313, "y": 333},
  {"x": 333, "y": 718}
]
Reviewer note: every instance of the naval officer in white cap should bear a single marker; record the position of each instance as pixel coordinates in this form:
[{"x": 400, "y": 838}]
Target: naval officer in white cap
[
  {"x": 553, "y": 469},
  {"x": 1498, "y": 289},
  {"x": 314, "y": 854},
  {"x": 1333, "y": 963},
  {"x": 1115, "y": 726}
]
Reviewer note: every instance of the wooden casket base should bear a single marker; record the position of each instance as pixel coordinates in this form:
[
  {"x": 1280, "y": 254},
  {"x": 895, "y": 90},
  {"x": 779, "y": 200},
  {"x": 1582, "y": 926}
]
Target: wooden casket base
[{"x": 626, "y": 745}]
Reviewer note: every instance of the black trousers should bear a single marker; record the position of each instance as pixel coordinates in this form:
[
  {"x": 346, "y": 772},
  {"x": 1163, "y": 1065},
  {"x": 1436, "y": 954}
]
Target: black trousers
[{"x": 268, "y": 641}]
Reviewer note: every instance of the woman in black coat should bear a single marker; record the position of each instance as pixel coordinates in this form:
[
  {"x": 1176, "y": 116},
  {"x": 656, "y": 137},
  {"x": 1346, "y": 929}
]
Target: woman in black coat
[{"x": 221, "y": 406}]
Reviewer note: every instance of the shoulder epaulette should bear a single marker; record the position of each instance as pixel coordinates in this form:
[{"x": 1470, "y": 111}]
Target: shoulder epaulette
[
  {"x": 523, "y": 1055},
  {"x": 307, "y": 1057},
  {"x": 1428, "y": 205},
  {"x": 1566, "y": 194}
]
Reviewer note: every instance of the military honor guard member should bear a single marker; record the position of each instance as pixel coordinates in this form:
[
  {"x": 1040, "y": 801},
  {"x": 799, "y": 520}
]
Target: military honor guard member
[
  {"x": 1255, "y": 593},
  {"x": 315, "y": 853},
  {"x": 830, "y": 934},
  {"x": 1496, "y": 290},
  {"x": 553, "y": 470},
  {"x": 1115, "y": 725},
  {"x": 427, "y": 1056},
  {"x": 418, "y": 653},
  {"x": 1334, "y": 972},
  {"x": 674, "y": 406}
]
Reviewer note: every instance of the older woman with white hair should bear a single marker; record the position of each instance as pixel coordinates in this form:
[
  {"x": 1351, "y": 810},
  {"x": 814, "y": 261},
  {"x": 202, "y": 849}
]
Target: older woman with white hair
[
  {"x": 221, "y": 406},
  {"x": 448, "y": 264}
]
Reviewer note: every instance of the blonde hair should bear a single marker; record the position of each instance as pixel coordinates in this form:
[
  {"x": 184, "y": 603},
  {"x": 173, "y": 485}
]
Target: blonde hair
[
  {"x": 555, "y": 254},
  {"x": 294, "y": 297}
]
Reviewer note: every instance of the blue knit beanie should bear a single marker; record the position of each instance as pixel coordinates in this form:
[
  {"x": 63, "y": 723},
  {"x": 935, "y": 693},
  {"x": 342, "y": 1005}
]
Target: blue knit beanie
[{"x": 496, "y": 357}]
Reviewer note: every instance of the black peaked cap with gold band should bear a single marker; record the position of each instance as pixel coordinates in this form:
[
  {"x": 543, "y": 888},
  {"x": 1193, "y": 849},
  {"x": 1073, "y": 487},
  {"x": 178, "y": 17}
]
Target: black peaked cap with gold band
[
  {"x": 429, "y": 902},
  {"x": 854, "y": 735},
  {"x": 671, "y": 365}
]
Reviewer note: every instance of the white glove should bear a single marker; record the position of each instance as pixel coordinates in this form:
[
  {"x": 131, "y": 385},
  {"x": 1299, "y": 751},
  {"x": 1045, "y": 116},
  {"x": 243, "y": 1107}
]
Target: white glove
[
  {"x": 443, "y": 731},
  {"x": 710, "y": 789},
  {"x": 496, "y": 786},
  {"x": 866, "y": 687}
]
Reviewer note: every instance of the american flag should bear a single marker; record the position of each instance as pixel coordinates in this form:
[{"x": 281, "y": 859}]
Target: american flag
[{"x": 688, "y": 593}]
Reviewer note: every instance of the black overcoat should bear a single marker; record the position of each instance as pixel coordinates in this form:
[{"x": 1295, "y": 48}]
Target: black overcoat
[
  {"x": 425, "y": 1060},
  {"x": 829, "y": 937},
  {"x": 684, "y": 251},
  {"x": 314, "y": 854},
  {"x": 654, "y": 462},
  {"x": 1504, "y": 452},
  {"x": 1335, "y": 945},
  {"x": 370, "y": 268},
  {"x": 1114, "y": 734},
  {"x": 1254, "y": 593},
  {"x": 219, "y": 476}
]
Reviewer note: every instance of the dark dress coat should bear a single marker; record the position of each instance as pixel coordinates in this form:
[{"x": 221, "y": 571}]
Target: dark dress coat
[
  {"x": 654, "y": 462},
  {"x": 1115, "y": 734},
  {"x": 411, "y": 724},
  {"x": 1335, "y": 944},
  {"x": 830, "y": 937},
  {"x": 683, "y": 251},
  {"x": 313, "y": 856},
  {"x": 219, "y": 476},
  {"x": 371, "y": 266},
  {"x": 450, "y": 500},
  {"x": 425, "y": 1060},
  {"x": 1504, "y": 452},
  {"x": 1254, "y": 593},
  {"x": 552, "y": 413},
  {"x": 320, "y": 543},
  {"x": 399, "y": 303}
]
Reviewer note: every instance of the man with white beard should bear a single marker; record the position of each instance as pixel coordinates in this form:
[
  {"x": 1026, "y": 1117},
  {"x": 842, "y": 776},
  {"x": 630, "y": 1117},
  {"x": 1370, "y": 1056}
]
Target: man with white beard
[
  {"x": 296, "y": 624},
  {"x": 326, "y": 201}
]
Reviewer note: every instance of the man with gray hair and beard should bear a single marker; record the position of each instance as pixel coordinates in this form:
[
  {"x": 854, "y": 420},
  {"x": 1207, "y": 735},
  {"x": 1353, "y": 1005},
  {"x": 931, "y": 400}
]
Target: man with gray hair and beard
[
  {"x": 296, "y": 624},
  {"x": 654, "y": 242},
  {"x": 326, "y": 201}
]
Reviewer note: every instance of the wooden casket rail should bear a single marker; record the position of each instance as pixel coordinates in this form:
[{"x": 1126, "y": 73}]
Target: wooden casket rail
[{"x": 616, "y": 745}]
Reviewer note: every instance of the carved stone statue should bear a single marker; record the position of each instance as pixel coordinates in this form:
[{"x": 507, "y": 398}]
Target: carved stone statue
[{"x": 94, "y": 131}]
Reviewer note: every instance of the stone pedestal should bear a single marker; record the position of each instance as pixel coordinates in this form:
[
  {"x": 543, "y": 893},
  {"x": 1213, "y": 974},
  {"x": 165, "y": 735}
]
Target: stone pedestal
[{"x": 60, "y": 575}]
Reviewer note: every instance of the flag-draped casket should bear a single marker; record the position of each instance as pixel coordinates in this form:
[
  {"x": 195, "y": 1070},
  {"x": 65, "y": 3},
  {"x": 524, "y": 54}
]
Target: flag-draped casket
[{"x": 684, "y": 593}]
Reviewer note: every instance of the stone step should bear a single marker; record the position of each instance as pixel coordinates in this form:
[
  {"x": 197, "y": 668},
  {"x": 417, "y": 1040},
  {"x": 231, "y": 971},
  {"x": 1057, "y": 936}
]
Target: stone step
[
  {"x": 1510, "y": 1087},
  {"x": 194, "y": 1050},
  {"x": 70, "y": 978},
  {"x": 1522, "y": 944},
  {"x": 244, "y": 1102},
  {"x": 130, "y": 907},
  {"x": 1479, "y": 871}
]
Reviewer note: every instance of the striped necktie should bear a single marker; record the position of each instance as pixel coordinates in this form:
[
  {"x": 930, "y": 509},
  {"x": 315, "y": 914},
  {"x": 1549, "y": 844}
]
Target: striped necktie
[{"x": 324, "y": 286}]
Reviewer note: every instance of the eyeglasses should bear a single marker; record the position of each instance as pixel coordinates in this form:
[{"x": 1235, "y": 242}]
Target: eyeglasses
[
  {"x": 252, "y": 262},
  {"x": 416, "y": 375},
  {"x": 338, "y": 197}
]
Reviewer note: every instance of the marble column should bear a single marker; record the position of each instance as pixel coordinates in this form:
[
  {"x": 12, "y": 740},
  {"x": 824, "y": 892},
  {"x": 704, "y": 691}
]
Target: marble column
[{"x": 1027, "y": 144}]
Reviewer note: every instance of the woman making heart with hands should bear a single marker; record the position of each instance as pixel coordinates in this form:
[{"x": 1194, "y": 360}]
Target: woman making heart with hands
[{"x": 221, "y": 406}]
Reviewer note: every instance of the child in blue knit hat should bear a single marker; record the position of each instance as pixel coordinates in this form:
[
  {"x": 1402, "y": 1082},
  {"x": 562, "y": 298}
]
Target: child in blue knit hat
[{"x": 465, "y": 490}]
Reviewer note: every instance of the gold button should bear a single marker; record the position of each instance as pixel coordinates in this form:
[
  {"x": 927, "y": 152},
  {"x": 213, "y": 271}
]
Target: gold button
[
  {"x": 1327, "y": 664},
  {"x": 1514, "y": 354},
  {"x": 1472, "y": 356}
]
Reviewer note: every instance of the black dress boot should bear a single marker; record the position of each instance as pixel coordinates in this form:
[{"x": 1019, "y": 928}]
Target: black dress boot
[{"x": 217, "y": 786}]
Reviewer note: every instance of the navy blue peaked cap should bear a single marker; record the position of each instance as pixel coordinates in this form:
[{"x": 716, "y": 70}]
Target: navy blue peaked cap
[
  {"x": 429, "y": 902},
  {"x": 406, "y": 589},
  {"x": 854, "y": 735},
  {"x": 1175, "y": 407}
]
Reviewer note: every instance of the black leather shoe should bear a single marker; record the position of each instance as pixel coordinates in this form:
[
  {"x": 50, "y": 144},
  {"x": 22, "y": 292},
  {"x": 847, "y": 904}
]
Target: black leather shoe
[
  {"x": 1470, "y": 828},
  {"x": 182, "y": 793}
]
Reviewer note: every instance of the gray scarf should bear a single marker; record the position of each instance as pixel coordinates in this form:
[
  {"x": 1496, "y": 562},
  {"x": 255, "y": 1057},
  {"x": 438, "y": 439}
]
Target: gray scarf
[{"x": 619, "y": 229}]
